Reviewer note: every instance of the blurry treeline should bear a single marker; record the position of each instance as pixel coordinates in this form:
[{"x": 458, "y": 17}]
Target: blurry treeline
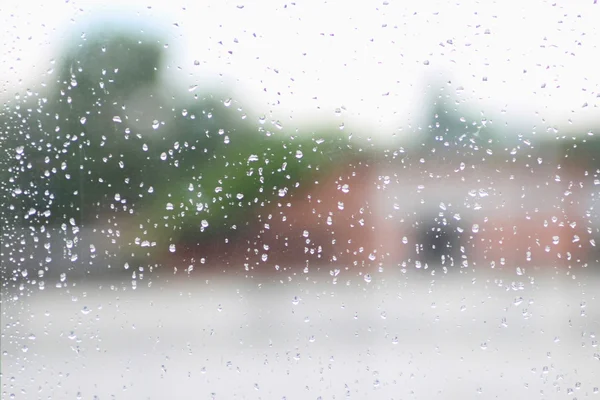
[{"x": 102, "y": 142}]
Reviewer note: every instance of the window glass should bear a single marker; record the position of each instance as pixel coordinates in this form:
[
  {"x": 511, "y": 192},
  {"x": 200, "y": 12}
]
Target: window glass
[{"x": 301, "y": 200}]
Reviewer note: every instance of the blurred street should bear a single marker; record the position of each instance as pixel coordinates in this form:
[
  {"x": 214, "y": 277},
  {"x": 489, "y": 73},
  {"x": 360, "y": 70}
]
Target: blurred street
[{"x": 486, "y": 334}]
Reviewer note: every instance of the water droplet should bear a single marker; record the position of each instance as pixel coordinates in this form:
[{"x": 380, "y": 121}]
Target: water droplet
[
  {"x": 518, "y": 301},
  {"x": 367, "y": 278},
  {"x": 117, "y": 119},
  {"x": 295, "y": 300},
  {"x": 85, "y": 310},
  {"x": 252, "y": 158},
  {"x": 475, "y": 228},
  {"x": 163, "y": 156},
  {"x": 155, "y": 124},
  {"x": 172, "y": 248},
  {"x": 345, "y": 188},
  {"x": 169, "y": 206},
  {"x": 299, "y": 154}
]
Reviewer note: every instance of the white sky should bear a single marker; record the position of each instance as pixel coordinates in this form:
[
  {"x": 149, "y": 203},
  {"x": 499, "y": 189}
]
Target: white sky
[{"x": 374, "y": 64}]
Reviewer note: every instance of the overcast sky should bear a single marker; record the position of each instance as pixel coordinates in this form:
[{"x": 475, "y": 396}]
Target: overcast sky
[{"x": 531, "y": 60}]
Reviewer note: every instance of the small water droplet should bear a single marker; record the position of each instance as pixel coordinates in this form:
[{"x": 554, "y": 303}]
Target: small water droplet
[{"x": 172, "y": 248}]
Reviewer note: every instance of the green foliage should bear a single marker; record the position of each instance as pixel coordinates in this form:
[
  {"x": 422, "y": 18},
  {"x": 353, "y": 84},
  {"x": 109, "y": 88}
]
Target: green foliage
[{"x": 96, "y": 148}]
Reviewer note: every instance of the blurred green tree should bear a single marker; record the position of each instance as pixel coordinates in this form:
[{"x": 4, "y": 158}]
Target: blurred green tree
[{"x": 98, "y": 148}]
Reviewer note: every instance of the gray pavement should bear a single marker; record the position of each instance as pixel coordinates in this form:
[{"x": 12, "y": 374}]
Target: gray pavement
[{"x": 484, "y": 335}]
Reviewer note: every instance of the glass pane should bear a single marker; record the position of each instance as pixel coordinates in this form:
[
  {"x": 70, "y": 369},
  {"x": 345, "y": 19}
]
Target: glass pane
[{"x": 299, "y": 200}]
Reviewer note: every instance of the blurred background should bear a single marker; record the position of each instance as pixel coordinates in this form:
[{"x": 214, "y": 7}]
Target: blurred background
[{"x": 299, "y": 200}]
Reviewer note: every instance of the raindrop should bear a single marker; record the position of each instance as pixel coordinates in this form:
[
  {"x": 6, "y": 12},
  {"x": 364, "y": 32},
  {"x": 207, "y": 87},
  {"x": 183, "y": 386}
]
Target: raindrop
[{"x": 172, "y": 248}]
